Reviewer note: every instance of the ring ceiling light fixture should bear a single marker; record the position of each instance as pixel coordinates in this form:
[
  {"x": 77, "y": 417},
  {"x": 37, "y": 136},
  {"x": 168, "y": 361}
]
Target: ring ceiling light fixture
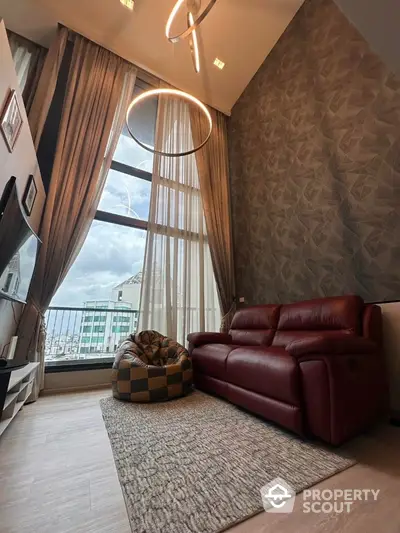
[
  {"x": 169, "y": 92},
  {"x": 195, "y": 24},
  {"x": 194, "y": 45}
]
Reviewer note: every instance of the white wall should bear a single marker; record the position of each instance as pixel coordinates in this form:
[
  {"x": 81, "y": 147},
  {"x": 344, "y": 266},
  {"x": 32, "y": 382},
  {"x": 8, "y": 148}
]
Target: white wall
[
  {"x": 391, "y": 335},
  {"x": 20, "y": 163},
  {"x": 130, "y": 294}
]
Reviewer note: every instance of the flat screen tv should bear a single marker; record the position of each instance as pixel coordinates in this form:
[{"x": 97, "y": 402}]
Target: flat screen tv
[{"x": 18, "y": 247}]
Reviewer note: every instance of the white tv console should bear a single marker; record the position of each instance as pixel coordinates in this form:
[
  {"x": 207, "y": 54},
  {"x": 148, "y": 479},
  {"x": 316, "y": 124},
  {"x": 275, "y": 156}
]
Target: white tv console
[{"x": 18, "y": 391}]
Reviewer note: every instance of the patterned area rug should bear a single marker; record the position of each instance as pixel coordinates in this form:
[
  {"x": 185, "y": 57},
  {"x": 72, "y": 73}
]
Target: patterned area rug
[{"x": 196, "y": 464}]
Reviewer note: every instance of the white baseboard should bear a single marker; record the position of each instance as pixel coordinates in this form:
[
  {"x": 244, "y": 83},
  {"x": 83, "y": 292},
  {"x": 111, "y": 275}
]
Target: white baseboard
[
  {"x": 100, "y": 386},
  {"x": 77, "y": 380}
]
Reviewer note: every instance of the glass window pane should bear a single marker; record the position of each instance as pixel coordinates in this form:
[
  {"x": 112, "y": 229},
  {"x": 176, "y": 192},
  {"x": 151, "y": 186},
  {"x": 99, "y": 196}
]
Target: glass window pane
[
  {"x": 126, "y": 195},
  {"x": 143, "y": 124},
  {"x": 110, "y": 261},
  {"x": 110, "y": 255},
  {"x": 130, "y": 153}
]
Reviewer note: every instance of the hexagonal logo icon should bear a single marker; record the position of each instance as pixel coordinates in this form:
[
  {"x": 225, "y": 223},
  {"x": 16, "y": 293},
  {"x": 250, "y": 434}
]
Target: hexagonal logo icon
[{"x": 278, "y": 496}]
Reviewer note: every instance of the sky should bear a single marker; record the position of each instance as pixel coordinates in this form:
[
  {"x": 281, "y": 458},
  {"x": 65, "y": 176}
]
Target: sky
[
  {"x": 111, "y": 254},
  {"x": 27, "y": 258}
]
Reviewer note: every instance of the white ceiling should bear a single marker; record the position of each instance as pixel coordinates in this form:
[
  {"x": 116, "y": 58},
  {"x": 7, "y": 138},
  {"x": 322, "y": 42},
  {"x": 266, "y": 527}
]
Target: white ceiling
[{"x": 239, "y": 32}]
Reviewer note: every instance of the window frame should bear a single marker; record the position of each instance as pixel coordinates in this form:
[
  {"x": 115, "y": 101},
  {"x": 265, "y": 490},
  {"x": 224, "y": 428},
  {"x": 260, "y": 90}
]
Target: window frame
[
  {"x": 123, "y": 168},
  {"x": 130, "y": 222},
  {"x": 119, "y": 220}
]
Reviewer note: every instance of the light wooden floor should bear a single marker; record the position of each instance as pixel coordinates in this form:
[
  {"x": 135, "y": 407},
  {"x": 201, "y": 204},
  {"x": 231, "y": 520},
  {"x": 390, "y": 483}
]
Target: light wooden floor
[{"x": 57, "y": 475}]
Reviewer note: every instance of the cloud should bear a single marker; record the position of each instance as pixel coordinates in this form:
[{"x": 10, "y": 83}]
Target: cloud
[
  {"x": 126, "y": 195},
  {"x": 130, "y": 153},
  {"x": 110, "y": 254}
]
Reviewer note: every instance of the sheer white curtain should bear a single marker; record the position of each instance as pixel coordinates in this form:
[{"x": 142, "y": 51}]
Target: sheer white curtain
[
  {"x": 28, "y": 60},
  {"x": 179, "y": 293},
  {"x": 22, "y": 57}
]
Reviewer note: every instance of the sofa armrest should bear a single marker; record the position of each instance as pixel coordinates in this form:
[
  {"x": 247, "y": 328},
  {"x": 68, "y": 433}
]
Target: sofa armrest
[
  {"x": 331, "y": 346},
  {"x": 198, "y": 339},
  {"x": 343, "y": 394}
]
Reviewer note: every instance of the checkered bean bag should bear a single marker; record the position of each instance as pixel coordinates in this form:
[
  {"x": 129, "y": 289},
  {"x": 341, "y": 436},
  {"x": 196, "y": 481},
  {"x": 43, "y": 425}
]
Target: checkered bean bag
[{"x": 149, "y": 367}]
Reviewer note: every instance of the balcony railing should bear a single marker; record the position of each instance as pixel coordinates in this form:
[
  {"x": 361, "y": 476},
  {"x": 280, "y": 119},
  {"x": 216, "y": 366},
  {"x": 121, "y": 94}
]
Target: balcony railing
[{"x": 84, "y": 333}]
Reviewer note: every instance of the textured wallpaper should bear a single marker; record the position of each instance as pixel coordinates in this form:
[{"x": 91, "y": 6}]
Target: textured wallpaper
[{"x": 315, "y": 167}]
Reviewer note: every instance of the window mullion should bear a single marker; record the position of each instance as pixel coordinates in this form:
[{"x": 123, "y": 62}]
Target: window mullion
[
  {"x": 131, "y": 171},
  {"x": 120, "y": 220}
]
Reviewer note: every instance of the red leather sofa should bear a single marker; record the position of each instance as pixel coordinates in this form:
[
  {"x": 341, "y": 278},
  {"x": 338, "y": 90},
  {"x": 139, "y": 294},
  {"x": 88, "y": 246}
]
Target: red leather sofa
[{"x": 314, "y": 367}]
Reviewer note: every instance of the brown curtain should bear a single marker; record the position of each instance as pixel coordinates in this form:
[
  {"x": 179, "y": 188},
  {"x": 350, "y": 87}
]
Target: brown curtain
[
  {"x": 28, "y": 59},
  {"x": 212, "y": 164},
  {"x": 46, "y": 85},
  {"x": 96, "y": 81}
]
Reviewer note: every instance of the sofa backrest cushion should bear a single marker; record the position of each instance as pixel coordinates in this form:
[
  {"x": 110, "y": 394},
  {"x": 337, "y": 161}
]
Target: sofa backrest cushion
[
  {"x": 324, "y": 315},
  {"x": 255, "y": 325}
]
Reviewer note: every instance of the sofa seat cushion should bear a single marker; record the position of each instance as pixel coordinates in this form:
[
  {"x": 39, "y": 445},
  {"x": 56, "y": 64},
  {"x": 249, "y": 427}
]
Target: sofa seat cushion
[
  {"x": 210, "y": 359},
  {"x": 268, "y": 371}
]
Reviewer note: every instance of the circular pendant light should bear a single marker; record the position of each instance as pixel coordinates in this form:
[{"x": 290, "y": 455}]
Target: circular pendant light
[
  {"x": 195, "y": 24},
  {"x": 169, "y": 92},
  {"x": 194, "y": 45}
]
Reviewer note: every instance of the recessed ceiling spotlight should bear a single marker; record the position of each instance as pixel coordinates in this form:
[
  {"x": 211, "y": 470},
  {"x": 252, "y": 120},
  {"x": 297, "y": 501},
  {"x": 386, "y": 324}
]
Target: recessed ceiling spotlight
[
  {"x": 128, "y": 3},
  {"x": 218, "y": 63}
]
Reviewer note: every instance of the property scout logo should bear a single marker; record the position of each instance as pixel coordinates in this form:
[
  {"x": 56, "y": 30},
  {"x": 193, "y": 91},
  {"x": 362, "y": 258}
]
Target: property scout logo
[{"x": 278, "y": 497}]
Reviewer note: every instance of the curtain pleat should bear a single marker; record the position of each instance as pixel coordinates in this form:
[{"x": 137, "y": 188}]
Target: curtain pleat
[
  {"x": 179, "y": 293},
  {"x": 91, "y": 123},
  {"x": 213, "y": 169}
]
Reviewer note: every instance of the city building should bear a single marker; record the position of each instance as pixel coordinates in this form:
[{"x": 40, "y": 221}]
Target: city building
[
  {"x": 129, "y": 291},
  {"x": 62, "y": 346},
  {"x": 105, "y": 323}
]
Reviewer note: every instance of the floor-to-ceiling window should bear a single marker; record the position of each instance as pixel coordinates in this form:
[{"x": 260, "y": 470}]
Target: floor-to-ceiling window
[{"x": 98, "y": 302}]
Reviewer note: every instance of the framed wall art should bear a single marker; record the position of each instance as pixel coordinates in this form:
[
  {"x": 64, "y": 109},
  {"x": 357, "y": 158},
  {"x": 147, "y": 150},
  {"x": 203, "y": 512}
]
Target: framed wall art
[
  {"x": 29, "y": 197},
  {"x": 11, "y": 120}
]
